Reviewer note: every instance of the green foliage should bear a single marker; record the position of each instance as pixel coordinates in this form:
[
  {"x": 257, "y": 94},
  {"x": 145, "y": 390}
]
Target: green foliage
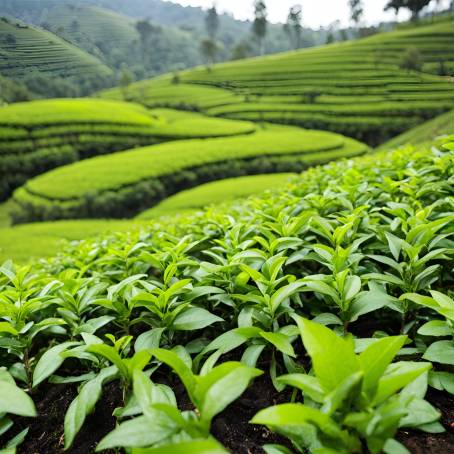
[
  {"x": 41, "y": 135},
  {"x": 411, "y": 60},
  {"x": 350, "y": 397},
  {"x": 146, "y": 175},
  {"x": 362, "y": 245},
  {"x": 362, "y": 91},
  {"x": 162, "y": 423},
  {"x": 35, "y": 49}
]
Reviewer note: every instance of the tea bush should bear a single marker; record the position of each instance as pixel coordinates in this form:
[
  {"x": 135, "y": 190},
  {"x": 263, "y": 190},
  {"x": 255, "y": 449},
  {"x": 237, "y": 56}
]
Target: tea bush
[
  {"x": 138, "y": 179},
  {"x": 337, "y": 285}
]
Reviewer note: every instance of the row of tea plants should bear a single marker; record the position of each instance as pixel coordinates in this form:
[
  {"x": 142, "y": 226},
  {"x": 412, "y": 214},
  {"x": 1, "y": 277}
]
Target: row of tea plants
[{"x": 337, "y": 287}]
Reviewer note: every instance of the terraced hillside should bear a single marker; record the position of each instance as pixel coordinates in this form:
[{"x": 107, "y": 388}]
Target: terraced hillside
[
  {"x": 424, "y": 134},
  {"x": 138, "y": 179},
  {"x": 113, "y": 38},
  {"x": 215, "y": 193},
  {"x": 25, "y": 48},
  {"x": 40, "y": 135},
  {"x": 354, "y": 88},
  {"x": 27, "y": 242}
]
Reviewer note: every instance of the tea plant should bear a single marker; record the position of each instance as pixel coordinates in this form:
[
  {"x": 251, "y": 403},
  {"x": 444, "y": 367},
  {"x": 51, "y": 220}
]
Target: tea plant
[{"x": 351, "y": 397}]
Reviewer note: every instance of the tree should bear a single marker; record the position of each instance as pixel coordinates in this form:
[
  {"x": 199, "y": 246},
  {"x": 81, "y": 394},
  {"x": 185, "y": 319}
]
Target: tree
[
  {"x": 212, "y": 22},
  {"x": 209, "y": 48},
  {"x": 241, "y": 50},
  {"x": 293, "y": 26},
  {"x": 259, "y": 26},
  {"x": 126, "y": 78},
  {"x": 145, "y": 30},
  {"x": 411, "y": 60},
  {"x": 396, "y": 5},
  {"x": 356, "y": 10},
  {"x": 414, "y": 6}
]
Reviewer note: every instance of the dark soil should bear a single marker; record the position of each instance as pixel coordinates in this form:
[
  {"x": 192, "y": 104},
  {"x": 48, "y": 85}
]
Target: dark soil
[{"x": 231, "y": 427}]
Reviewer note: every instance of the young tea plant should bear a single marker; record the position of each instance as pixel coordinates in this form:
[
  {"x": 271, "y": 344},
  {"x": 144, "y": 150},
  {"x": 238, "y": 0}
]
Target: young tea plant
[
  {"x": 162, "y": 422},
  {"x": 351, "y": 398}
]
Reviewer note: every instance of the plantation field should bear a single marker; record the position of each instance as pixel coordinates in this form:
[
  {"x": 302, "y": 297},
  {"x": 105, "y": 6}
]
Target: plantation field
[
  {"x": 216, "y": 192},
  {"x": 138, "y": 179},
  {"x": 355, "y": 88},
  {"x": 315, "y": 317},
  {"x": 440, "y": 126},
  {"x": 25, "y": 48},
  {"x": 29, "y": 242},
  {"x": 40, "y": 135}
]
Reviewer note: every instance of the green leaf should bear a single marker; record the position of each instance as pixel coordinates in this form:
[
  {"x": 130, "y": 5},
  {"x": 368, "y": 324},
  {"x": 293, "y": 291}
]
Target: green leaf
[
  {"x": 443, "y": 381},
  {"x": 50, "y": 362},
  {"x": 341, "y": 393},
  {"x": 112, "y": 355},
  {"x": 140, "y": 432},
  {"x": 283, "y": 293},
  {"x": 281, "y": 342},
  {"x": 420, "y": 412},
  {"x": 398, "y": 375},
  {"x": 441, "y": 352},
  {"x": 84, "y": 404},
  {"x": 6, "y": 327},
  {"x": 276, "y": 449},
  {"x": 297, "y": 415},
  {"x": 149, "y": 339},
  {"x": 220, "y": 387},
  {"x": 437, "y": 328},
  {"x": 209, "y": 446},
  {"x": 194, "y": 318},
  {"x": 179, "y": 367},
  {"x": 14, "y": 400},
  {"x": 333, "y": 358},
  {"x": 394, "y": 447},
  {"x": 368, "y": 302},
  {"x": 309, "y": 385},
  {"x": 376, "y": 358}
]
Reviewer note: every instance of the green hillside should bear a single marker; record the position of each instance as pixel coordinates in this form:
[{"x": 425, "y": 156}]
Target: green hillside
[
  {"x": 355, "y": 88},
  {"x": 113, "y": 38},
  {"x": 45, "y": 239},
  {"x": 440, "y": 126},
  {"x": 215, "y": 193},
  {"x": 26, "y": 49},
  {"x": 138, "y": 179},
  {"x": 40, "y": 135},
  {"x": 27, "y": 242}
]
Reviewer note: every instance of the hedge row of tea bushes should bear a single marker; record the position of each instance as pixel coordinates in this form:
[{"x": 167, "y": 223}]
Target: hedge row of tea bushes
[
  {"x": 26, "y": 242},
  {"x": 215, "y": 193},
  {"x": 138, "y": 179},
  {"x": 354, "y": 88},
  {"x": 40, "y": 135},
  {"x": 26, "y": 48},
  {"x": 441, "y": 126},
  {"x": 282, "y": 286}
]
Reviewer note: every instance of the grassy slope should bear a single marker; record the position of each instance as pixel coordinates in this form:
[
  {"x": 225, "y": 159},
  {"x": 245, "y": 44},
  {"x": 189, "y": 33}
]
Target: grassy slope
[
  {"x": 31, "y": 241},
  {"x": 215, "y": 193},
  {"x": 138, "y": 178},
  {"x": 25, "y": 48},
  {"x": 25, "y": 242},
  {"x": 425, "y": 133},
  {"x": 132, "y": 166},
  {"x": 361, "y": 91},
  {"x": 113, "y": 37},
  {"x": 41, "y": 135}
]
